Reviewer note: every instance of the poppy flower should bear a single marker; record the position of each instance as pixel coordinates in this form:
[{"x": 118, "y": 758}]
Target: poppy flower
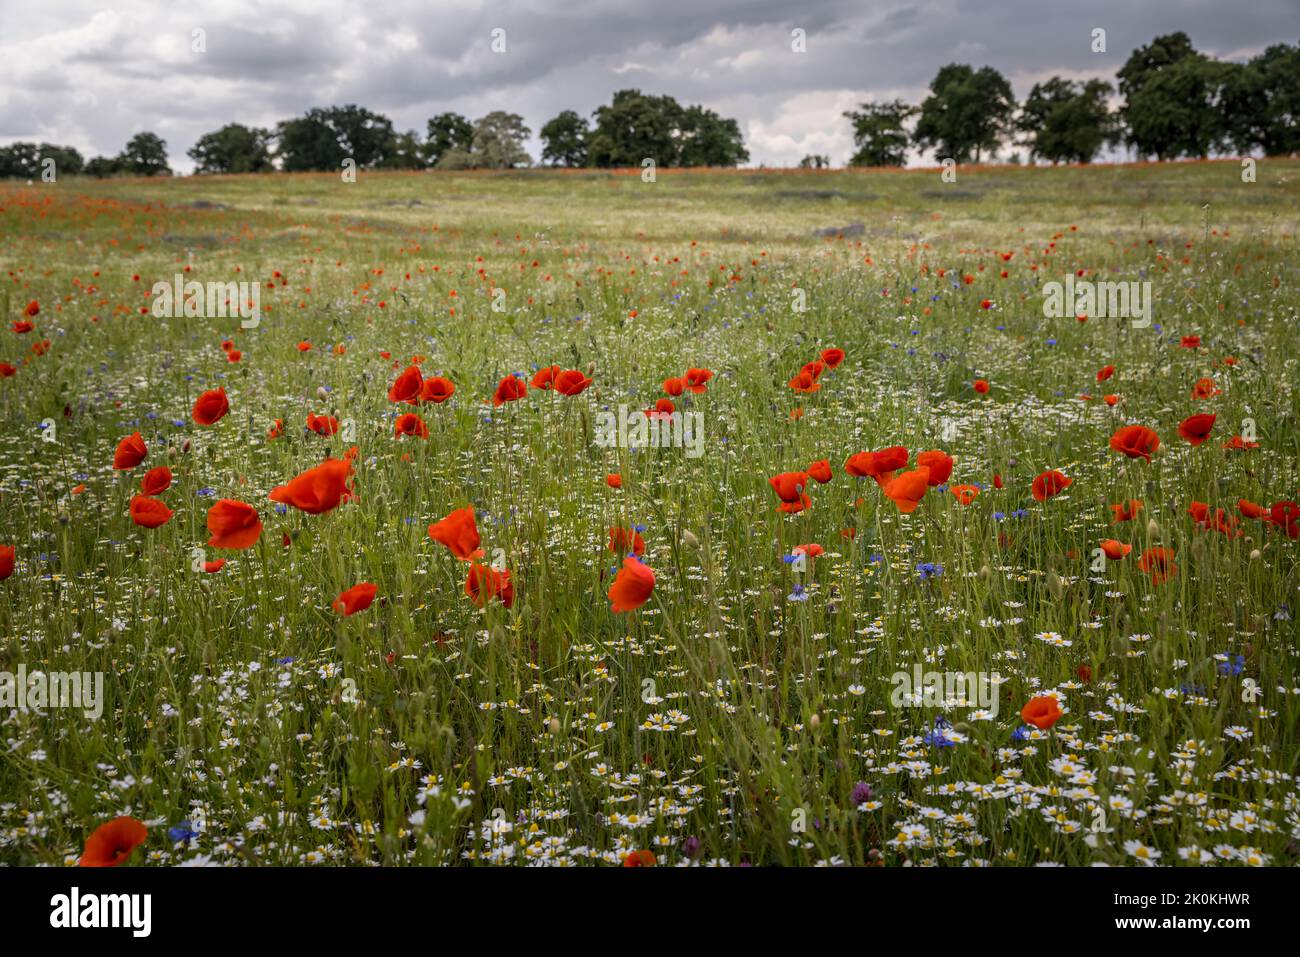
[
  {"x": 614, "y": 480},
  {"x": 832, "y": 357},
  {"x": 1286, "y": 516},
  {"x": 1050, "y": 483},
  {"x": 640, "y": 859},
  {"x": 1126, "y": 511},
  {"x": 997, "y": 480},
  {"x": 508, "y": 390},
  {"x": 675, "y": 386},
  {"x": 939, "y": 463},
  {"x": 6, "y": 561},
  {"x": 814, "y": 368},
  {"x": 437, "y": 390},
  {"x": 1158, "y": 562},
  {"x": 1110, "y": 399},
  {"x": 1115, "y": 550},
  {"x": 1191, "y": 342},
  {"x": 458, "y": 532},
  {"x": 304, "y": 346},
  {"x": 233, "y": 524},
  {"x": 32, "y": 309},
  {"x": 406, "y": 387},
  {"x": 626, "y": 539},
  {"x": 23, "y": 326},
  {"x": 1205, "y": 389},
  {"x": 210, "y": 407},
  {"x": 1196, "y": 428},
  {"x": 982, "y": 386},
  {"x": 410, "y": 424},
  {"x": 809, "y": 551},
  {"x": 663, "y": 408},
  {"x": 1042, "y": 712},
  {"x": 1249, "y": 509},
  {"x": 879, "y": 465},
  {"x": 1105, "y": 373},
  {"x": 276, "y": 430},
  {"x": 820, "y": 471},
  {"x": 1135, "y": 441},
  {"x": 112, "y": 842},
  {"x": 484, "y": 583},
  {"x": 965, "y": 494},
  {"x": 696, "y": 379},
  {"x": 234, "y": 355},
  {"x": 149, "y": 512},
  {"x": 156, "y": 481},
  {"x": 803, "y": 382},
  {"x": 1237, "y": 443},
  {"x": 355, "y": 599},
  {"x": 7, "y": 371},
  {"x": 908, "y": 488},
  {"x": 571, "y": 382},
  {"x": 632, "y": 586},
  {"x": 214, "y": 566},
  {"x": 318, "y": 489},
  {"x": 322, "y": 424},
  {"x": 130, "y": 452},
  {"x": 1216, "y": 521},
  {"x": 789, "y": 488},
  {"x": 545, "y": 377}
]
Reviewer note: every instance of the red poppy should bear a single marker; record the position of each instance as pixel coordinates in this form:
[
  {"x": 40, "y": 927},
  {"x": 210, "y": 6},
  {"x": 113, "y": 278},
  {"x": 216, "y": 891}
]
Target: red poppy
[
  {"x": 7, "y": 371},
  {"x": 149, "y": 512},
  {"x": 112, "y": 842},
  {"x": 1191, "y": 342},
  {"x": 6, "y": 561},
  {"x": 821, "y": 471},
  {"x": 640, "y": 859},
  {"x": 632, "y": 586},
  {"x": 663, "y": 408},
  {"x": 571, "y": 382},
  {"x": 1196, "y": 428},
  {"x": 879, "y": 465},
  {"x": 625, "y": 540},
  {"x": 156, "y": 481},
  {"x": 965, "y": 494},
  {"x": 907, "y": 490},
  {"x": 1135, "y": 441},
  {"x": 23, "y": 326},
  {"x": 1286, "y": 516},
  {"x": 406, "y": 387},
  {"x": 1126, "y": 511},
  {"x": 437, "y": 390},
  {"x": 832, "y": 357},
  {"x": 814, "y": 368},
  {"x": 696, "y": 379},
  {"x": 322, "y": 424},
  {"x": 210, "y": 407},
  {"x": 484, "y": 583},
  {"x": 304, "y": 346},
  {"x": 997, "y": 480},
  {"x": 675, "y": 386},
  {"x": 1205, "y": 389},
  {"x": 1105, "y": 373},
  {"x": 318, "y": 489},
  {"x": 508, "y": 390},
  {"x": 1237, "y": 443},
  {"x": 614, "y": 480},
  {"x": 1042, "y": 712},
  {"x": 939, "y": 463},
  {"x": 233, "y": 524},
  {"x": 32, "y": 309},
  {"x": 545, "y": 377},
  {"x": 130, "y": 452},
  {"x": 1115, "y": 550},
  {"x": 459, "y": 532},
  {"x": 1250, "y": 510},
  {"x": 410, "y": 424},
  {"x": 355, "y": 599},
  {"x": 276, "y": 430},
  {"x": 1158, "y": 562},
  {"x": 810, "y": 551},
  {"x": 803, "y": 382},
  {"x": 214, "y": 566},
  {"x": 982, "y": 386},
  {"x": 1110, "y": 399},
  {"x": 789, "y": 488},
  {"x": 1050, "y": 483}
]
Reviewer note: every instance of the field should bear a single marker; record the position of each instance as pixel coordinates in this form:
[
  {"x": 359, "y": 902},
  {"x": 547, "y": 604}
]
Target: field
[{"x": 751, "y": 710}]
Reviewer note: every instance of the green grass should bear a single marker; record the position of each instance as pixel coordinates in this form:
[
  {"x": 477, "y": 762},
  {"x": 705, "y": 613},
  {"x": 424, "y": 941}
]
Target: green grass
[{"x": 530, "y": 720}]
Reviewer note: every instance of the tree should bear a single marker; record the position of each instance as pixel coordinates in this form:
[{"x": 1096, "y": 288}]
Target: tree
[
  {"x": 1067, "y": 121},
  {"x": 967, "y": 111},
  {"x": 447, "y": 131},
  {"x": 405, "y": 151},
  {"x": 564, "y": 140},
  {"x": 879, "y": 133},
  {"x": 815, "y": 161},
  {"x": 145, "y": 154},
  {"x": 321, "y": 139},
  {"x": 101, "y": 167},
  {"x": 233, "y": 149},
  {"x": 1171, "y": 99},
  {"x": 633, "y": 127},
  {"x": 498, "y": 141},
  {"x": 28, "y": 160},
  {"x": 706, "y": 139},
  {"x": 1261, "y": 102}
]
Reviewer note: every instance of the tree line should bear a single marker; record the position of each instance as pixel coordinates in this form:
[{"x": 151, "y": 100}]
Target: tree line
[{"x": 1177, "y": 102}]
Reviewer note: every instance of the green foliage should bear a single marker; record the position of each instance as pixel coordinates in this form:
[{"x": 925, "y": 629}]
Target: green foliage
[
  {"x": 564, "y": 140},
  {"x": 880, "y": 133},
  {"x": 967, "y": 113},
  {"x": 1067, "y": 121},
  {"x": 233, "y": 149},
  {"x": 322, "y": 139},
  {"x": 145, "y": 154}
]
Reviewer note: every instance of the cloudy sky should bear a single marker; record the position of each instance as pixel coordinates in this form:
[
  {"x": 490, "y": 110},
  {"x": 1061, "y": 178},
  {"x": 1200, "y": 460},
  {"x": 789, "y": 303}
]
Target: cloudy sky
[{"x": 90, "y": 73}]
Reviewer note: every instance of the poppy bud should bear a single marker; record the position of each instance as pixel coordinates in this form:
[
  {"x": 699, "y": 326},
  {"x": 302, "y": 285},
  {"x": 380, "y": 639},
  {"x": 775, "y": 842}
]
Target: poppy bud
[
  {"x": 555, "y": 726},
  {"x": 171, "y": 452},
  {"x": 1055, "y": 585},
  {"x": 322, "y": 392},
  {"x": 689, "y": 539},
  {"x": 186, "y": 447},
  {"x": 815, "y": 721},
  {"x": 149, "y": 593},
  {"x": 1153, "y": 530},
  {"x": 1255, "y": 554},
  {"x": 986, "y": 573}
]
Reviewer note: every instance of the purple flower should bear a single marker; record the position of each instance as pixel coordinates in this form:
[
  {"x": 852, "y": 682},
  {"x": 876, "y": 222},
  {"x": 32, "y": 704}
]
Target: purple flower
[
  {"x": 691, "y": 846},
  {"x": 862, "y": 793}
]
